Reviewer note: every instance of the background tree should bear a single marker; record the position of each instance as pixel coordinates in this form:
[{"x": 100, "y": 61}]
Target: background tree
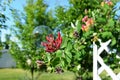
[{"x": 31, "y": 27}]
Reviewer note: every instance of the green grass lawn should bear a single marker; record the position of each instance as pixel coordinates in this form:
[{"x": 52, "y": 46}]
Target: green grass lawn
[
  {"x": 19, "y": 74},
  {"x": 11, "y": 74}
]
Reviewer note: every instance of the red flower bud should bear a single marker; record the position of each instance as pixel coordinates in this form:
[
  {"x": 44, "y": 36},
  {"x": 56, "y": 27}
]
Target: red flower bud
[{"x": 52, "y": 45}]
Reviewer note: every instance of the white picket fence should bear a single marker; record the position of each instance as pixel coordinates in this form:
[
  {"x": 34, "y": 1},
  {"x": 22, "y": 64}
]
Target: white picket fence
[{"x": 98, "y": 59}]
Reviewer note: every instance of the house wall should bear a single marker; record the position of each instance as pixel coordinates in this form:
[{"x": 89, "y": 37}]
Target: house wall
[{"x": 6, "y": 60}]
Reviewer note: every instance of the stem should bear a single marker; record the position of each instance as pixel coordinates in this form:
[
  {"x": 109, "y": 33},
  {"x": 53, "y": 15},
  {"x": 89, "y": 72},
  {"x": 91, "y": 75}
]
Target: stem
[{"x": 32, "y": 72}]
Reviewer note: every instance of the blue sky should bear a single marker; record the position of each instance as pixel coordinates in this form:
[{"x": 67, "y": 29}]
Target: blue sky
[
  {"x": 53, "y": 3},
  {"x": 19, "y": 4}
]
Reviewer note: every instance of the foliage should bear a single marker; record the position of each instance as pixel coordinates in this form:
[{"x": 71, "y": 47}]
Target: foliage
[
  {"x": 82, "y": 23},
  {"x": 3, "y": 18},
  {"x": 76, "y": 50},
  {"x": 31, "y": 26}
]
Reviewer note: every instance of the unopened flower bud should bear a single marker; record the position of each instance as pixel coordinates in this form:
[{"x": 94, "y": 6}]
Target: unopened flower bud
[
  {"x": 85, "y": 19},
  {"x": 78, "y": 67},
  {"x": 76, "y": 34}
]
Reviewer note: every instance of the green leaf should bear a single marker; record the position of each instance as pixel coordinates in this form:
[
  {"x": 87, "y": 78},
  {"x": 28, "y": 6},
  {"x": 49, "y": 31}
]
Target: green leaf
[
  {"x": 112, "y": 65},
  {"x": 77, "y": 55},
  {"x": 69, "y": 46},
  {"x": 101, "y": 20},
  {"x": 64, "y": 43},
  {"x": 78, "y": 27},
  {"x": 110, "y": 22},
  {"x": 106, "y": 35},
  {"x": 81, "y": 47},
  {"x": 55, "y": 61},
  {"x": 106, "y": 8},
  {"x": 48, "y": 56},
  {"x": 68, "y": 56},
  {"x": 113, "y": 42},
  {"x": 76, "y": 46},
  {"x": 59, "y": 53},
  {"x": 62, "y": 63},
  {"x": 68, "y": 59},
  {"x": 87, "y": 34}
]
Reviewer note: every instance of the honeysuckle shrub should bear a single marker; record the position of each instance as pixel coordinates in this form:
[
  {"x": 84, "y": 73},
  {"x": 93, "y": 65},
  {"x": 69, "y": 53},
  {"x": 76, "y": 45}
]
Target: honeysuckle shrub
[{"x": 76, "y": 51}]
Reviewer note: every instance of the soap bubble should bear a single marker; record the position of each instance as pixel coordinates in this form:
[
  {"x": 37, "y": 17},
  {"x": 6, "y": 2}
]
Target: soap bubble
[{"x": 40, "y": 33}]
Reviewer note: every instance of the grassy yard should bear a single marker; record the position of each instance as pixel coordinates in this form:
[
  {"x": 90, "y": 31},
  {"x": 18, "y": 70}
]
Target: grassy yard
[
  {"x": 11, "y": 74},
  {"x": 19, "y": 74}
]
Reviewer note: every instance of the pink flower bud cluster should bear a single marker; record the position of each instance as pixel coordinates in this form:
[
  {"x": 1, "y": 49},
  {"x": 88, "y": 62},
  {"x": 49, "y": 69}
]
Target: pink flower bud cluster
[
  {"x": 87, "y": 23},
  {"x": 108, "y": 2}
]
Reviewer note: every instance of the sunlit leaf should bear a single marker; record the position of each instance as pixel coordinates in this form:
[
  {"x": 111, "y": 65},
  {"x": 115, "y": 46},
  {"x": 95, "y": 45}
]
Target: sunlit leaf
[{"x": 59, "y": 53}]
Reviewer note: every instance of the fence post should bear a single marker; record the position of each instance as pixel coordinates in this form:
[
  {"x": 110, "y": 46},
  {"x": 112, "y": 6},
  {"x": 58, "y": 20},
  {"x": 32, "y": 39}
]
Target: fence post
[{"x": 94, "y": 61}]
